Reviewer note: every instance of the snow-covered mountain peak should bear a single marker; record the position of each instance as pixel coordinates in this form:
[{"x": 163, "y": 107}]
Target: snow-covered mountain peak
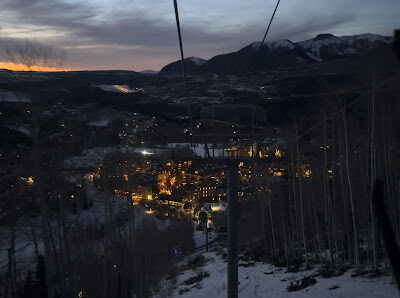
[
  {"x": 284, "y": 43},
  {"x": 283, "y": 53},
  {"x": 328, "y": 44},
  {"x": 197, "y": 60}
]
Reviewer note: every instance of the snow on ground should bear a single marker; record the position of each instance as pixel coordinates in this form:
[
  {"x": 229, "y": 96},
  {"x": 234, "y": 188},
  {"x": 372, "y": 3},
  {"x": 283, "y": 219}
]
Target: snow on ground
[
  {"x": 25, "y": 255},
  {"x": 89, "y": 158},
  {"x": 274, "y": 44},
  {"x": 199, "y": 238},
  {"x": 219, "y": 207},
  {"x": 95, "y": 215},
  {"x": 21, "y": 129},
  {"x": 263, "y": 280},
  {"x": 93, "y": 157},
  {"x": 8, "y": 96},
  {"x": 342, "y": 44},
  {"x": 197, "y": 60},
  {"x": 101, "y": 123}
]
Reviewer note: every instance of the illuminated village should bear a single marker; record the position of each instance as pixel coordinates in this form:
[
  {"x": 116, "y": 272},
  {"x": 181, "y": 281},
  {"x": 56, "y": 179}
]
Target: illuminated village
[{"x": 267, "y": 171}]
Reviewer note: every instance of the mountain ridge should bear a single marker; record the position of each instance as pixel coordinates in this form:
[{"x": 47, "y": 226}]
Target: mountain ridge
[
  {"x": 191, "y": 64},
  {"x": 281, "y": 54}
]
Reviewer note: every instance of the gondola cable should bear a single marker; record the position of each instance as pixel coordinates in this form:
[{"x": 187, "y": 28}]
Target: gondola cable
[
  {"x": 183, "y": 62},
  {"x": 269, "y": 24}
]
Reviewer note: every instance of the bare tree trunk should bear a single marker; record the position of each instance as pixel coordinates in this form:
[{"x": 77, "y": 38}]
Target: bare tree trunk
[
  {"x": 346, "y": 214},
  {"x": 355, "y": 229},
  {"x": 272, "y": 223},
  {"x": 326, "y": 194},
  {"x": 35, "y": 244},
  {"x": 264, "y": 223},
  {"x": 290, "y": 234},
  {"x": 314, "y": 211},
  {"x": 30, "y": 55},
  {"x": 373, "y": 177},
  {"x": 107, "y": 232},
  {"x": 40, "y": 196},
  {"x": 296, "y": 231},
  {"x": 285, "y": 236},
  {"x": 301, "y": 199},
  {"x": 333, "y": 191}
]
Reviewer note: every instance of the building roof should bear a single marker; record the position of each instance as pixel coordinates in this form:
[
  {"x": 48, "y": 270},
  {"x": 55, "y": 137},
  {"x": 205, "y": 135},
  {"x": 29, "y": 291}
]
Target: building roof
[{"x": 199, "y": 206}]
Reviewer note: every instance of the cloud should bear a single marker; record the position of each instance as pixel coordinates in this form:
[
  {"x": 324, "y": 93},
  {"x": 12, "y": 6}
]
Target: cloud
[{"x": 101, "y": 36}]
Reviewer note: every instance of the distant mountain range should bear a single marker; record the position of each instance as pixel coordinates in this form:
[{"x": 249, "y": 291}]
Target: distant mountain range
[
  {"x": 149, "y": 71},
  {"x": 281, "y": 54}
]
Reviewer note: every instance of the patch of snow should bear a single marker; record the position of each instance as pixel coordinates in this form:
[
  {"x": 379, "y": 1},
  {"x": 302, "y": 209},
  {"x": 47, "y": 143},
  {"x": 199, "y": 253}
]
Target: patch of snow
[
  {"x": 21, "y": 129},
  {"x": 285, "y": 43},
  {"x": 343, "y": 45},
  {"x": 90, "y": 158},
  {"x": 94, "y": 157},
  {"x": 312, "y": 56},
  {"x": 199, "y": 238},
  {"x": 264, "y": 280},
  {"x": 93, "y": 216},
  {"x": 219, "y": 207},
  {"x": 337, "y": 45},
  {"x": 198, "y": 61},
  {"x": 101, "y": 123},
  {"x": 8, "y": 96}
]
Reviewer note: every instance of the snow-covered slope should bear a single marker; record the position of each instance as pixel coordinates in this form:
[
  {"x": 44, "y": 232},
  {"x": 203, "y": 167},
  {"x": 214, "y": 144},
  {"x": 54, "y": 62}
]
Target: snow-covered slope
[
  {"x": 326, "y": 46},
  {"x": 285, "y": 43},
  {"x": 20, "y": 129},
  {"x": 263, "y": 280},
  {"x": 282, "y": 54},
  {"x": 8, "y": 96},
  {"x": 192, "y": 64},
  {"x": 197, "y": 60}
]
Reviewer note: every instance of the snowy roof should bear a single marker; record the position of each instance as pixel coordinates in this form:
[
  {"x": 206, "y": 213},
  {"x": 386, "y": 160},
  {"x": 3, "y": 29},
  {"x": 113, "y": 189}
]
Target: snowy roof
[{"x": 201, "y": 206}]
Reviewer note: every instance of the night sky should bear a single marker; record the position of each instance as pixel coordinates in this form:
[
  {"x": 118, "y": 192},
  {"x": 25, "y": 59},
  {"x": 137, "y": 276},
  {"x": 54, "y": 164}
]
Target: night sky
[{"x": 141, "y": 34}]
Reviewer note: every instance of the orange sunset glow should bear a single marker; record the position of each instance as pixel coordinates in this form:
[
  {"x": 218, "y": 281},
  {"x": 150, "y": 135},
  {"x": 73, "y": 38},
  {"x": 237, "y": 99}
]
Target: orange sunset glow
[{"x": 19, "y": 67}]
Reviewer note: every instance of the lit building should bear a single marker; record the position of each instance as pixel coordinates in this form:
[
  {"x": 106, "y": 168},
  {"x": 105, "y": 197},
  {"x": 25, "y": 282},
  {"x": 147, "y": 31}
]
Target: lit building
[
  {"x": 208, "y": 193},
  {"x": 142, "y": 193}
]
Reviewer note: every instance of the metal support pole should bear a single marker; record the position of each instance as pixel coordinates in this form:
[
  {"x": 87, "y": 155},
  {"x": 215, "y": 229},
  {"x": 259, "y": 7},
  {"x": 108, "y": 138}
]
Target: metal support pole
[
  {"x": 233, "y": 221},
  {"x": 206, "y": 236}
]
